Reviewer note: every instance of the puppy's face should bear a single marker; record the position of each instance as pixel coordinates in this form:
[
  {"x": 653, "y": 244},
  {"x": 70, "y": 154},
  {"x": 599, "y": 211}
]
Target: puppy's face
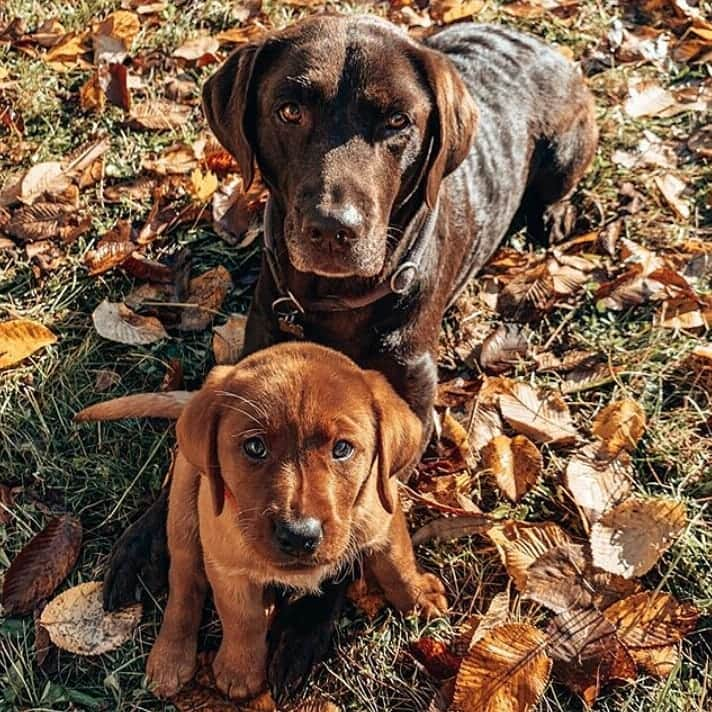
[
  {"x": 346, "y": 117},
  {"x": 299, "y": 446}
]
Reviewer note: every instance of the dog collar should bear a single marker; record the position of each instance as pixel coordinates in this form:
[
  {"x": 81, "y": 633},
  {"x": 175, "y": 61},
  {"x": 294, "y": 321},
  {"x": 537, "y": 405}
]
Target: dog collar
[{"x": 290, "y": 311}]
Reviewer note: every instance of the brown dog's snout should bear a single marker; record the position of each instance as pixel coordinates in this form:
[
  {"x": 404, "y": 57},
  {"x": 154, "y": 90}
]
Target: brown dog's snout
[
  {"x": 333, "y": 229},
  {"x": 299, "y": 536}
]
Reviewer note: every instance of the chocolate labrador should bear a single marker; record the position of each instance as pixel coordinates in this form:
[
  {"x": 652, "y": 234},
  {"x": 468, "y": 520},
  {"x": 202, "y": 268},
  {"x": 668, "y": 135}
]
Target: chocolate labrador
[{"x": 395, "y": 168}]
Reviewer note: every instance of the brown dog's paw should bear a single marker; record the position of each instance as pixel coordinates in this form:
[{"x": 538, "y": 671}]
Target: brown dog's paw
[
  {"x": 426, "y": 597},
  {"x": 238, "y": 677},
  {"x": 170, "y": 665}
]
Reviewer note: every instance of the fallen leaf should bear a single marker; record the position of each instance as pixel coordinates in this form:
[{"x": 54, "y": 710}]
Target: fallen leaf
[
  {"x": 503, "y": 349},
  {"x": 159, "y": 115},
  {"x": 435, "y": 657},
  {"x": 448, "y": 528},
  {"x": 367, "y": 596},
  {"x": 672, "y": 188},
  {"x": 203, "y": 185},
  {"x": 91, "y": 95},
  {"x": 235, "y": 211},
  {"x": 121, "y": 24},
  {"x": 177, "y": 159},
  {"x": 106, "y": 379},
  {"x": 520, "y": 544},
  {"x": 173, "y": 377},
  {"x": 7, "y": 500},
  {"x": 651, "y": 619},
  {"x": 619, "y": 426},
  {"x": 207, "y": 292},
  {"x": 648, "y": 99},
  {"x": 507, "y": 670},
  {"x": 448, "y": 11},
  {"x": 68, "y": 51},
  {"x": 116, "y": 322},
  {"x": 544, "y": 419},
  {"x": 196, "y": 47},
  {"x": 557, "y": 579},
  {"x": 112, "y": 250},
  {"x": 76, "y": 621},
  {"x": 19, "y": 338},
  {"x": 598, "y": 482},
  {"x": 42, "y": 564},
  {"x": 629, "y": 539},
  {"x": 684, "y": 313},
  {"x": 700, "y": 142},
  {"x": 228, "y": 339},
  {"x": 516, "y": 464}
]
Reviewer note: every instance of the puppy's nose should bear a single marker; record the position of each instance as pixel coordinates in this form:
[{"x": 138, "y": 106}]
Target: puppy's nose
[
  {"x": 301, "y": 536},
  {"x": 335, "y": 228}
]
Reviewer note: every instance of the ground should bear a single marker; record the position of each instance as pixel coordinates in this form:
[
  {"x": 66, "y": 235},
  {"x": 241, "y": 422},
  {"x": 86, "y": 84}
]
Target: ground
[{"x": 106, "y": 474}]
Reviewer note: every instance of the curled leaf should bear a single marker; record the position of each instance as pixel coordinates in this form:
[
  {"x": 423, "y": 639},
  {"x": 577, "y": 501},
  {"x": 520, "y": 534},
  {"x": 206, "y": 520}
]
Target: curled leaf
[
  {"x": 19, "y": 338},
  {"x": 619, "y": 426},
  {"x": 116, "y": 322},
  {"x": 516, "y": 464}
]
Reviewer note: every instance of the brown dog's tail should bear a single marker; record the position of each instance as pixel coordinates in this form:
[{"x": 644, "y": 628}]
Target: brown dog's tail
[{"x": 141, "y": 405}]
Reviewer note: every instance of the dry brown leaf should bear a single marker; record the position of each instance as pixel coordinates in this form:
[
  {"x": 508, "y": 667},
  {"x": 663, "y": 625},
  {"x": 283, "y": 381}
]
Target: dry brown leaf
[
  {"x": 159, "y": 115},
  {"x": 110, "y": 253},
  {"x": 7, "y": 500},
  {"x": 503, "y": 349},
  {"x": 106, "y": 379},
  {"x": 42, "y": 564},
  {"x": 196, "y": 47},
  {"x": 648, "y": 99},
  {"x": 544, "y": 419},
  {"x": 448, "y": 11},
  {"x": 68, "y": 51},
  {"x": 587, "y": 652},
  {"x": 672, "y": 188},
  {"x": 228, "y": 339},
  {"x": 91, "y": 95},
  {"x": 367, "y": 596},
  {"x": 116, "y": 322},
  {"x": 596, "y": 481},
  {"x": 177, "y": 159},
  {"x": 19, "y": 338},
  {"x": 235, "y": 212},
  {"x": 520, "y": 544},
  {"x": 448, "y": 528},
  {"x": 507, "y": 670},
  {"x": 436, "y": 657},
  {"x": 121, "y": 24},
  {"x": 557, "y": 579},
  {"x": 629, "y": 539},
  {"x": 658, "y": 662},
  {"x": 76, "y": 621},
  {"x": 516, "y": 464},
  {"x": 651, "y": 620},
  {"x": 619, "y": 426},
  {"x": 684, "y": 313},
  {"x": 207, "y": 292}
]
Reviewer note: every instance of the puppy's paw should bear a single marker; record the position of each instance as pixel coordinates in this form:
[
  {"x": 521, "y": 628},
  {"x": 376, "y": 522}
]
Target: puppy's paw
[
  {"x": 238, "y": 676},
  {"x": 171, "y": 664},
  {"x": 425, "y": 596}
]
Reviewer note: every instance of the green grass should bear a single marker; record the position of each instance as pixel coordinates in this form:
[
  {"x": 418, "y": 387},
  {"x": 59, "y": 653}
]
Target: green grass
[{"x": 106, "y": 474}]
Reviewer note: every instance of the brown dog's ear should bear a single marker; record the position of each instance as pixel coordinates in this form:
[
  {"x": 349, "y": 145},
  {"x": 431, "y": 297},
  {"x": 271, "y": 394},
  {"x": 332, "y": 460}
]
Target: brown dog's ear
[
  {"x": 197, "y": 432},
  {"x": 225, "y": 100},
  {"x": 456, "y": 118},
  {"x": 399, "y": 433}
]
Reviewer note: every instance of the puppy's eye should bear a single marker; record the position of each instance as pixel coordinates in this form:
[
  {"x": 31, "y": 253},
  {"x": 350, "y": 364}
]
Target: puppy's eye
[
  {"x": 342, "y": 450},
  {"x": 290, "y": 113},
  {"x": 255, "y": 448},
  {"x": 397, "y": 121}
]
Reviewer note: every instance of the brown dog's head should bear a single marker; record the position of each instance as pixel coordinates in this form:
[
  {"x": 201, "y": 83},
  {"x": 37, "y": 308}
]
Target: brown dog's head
[
  {"x": 300, "y": 446},
  {"x": 346, "y": 117}
]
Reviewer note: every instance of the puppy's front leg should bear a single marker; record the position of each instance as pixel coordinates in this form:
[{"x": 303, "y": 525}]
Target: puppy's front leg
[
  {"x": 172, "y": 660},
  {"x": 239, "y": 666},
  {"x": 396, "y": 571}
]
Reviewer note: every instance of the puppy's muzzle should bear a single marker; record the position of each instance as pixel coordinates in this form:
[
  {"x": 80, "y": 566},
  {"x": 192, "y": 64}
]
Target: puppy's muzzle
[{"x": 298, "y": 537}]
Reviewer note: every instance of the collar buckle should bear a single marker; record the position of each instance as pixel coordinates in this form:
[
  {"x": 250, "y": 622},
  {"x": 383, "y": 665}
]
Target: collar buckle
[{"x": 402, "y": 279}]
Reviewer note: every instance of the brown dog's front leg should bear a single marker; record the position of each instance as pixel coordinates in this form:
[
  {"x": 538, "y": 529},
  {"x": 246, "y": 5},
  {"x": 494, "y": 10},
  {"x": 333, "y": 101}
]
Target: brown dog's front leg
[
  {"x": 172, "y": 661},
  {"x": 239, "y": 666},
  {"x": 396, "y": 571}
]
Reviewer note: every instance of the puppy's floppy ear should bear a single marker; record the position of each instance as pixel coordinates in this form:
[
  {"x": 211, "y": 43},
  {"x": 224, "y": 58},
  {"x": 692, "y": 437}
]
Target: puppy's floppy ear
[
  {"x": 197, "y": 432},
  {"x": 398, "y": 432},
  {"x": 455, "y": 120},
  {"x": 225, "y": 102}
]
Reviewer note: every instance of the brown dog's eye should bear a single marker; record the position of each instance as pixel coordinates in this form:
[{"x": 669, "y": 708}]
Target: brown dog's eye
[
  {"x": 342, "y": 450},
  {"x": 290, "y": 113},
  {"x": 397, "y": 121},
  {"x": 255, "y": 448}
]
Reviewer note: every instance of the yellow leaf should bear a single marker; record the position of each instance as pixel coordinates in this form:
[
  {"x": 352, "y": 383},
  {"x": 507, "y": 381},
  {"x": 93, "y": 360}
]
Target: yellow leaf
[
  {"x": 619, "y": 426},
  {"x": 507, "y": 669},
  {"x": 516, "y": 464},
  {"x": 203, "y": 184},
  {"x": 21, "y": 337},
  {"x": 121, "y": 24}
]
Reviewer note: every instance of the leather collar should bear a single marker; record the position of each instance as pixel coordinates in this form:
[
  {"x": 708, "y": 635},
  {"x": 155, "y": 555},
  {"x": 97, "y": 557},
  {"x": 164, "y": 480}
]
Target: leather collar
[{"x": 290, "y": 311}]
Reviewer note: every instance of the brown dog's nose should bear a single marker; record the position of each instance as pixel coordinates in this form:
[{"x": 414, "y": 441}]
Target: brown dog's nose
[
  {"x": 301, "y": 536},
  {"x": 336, "y": 229}
]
